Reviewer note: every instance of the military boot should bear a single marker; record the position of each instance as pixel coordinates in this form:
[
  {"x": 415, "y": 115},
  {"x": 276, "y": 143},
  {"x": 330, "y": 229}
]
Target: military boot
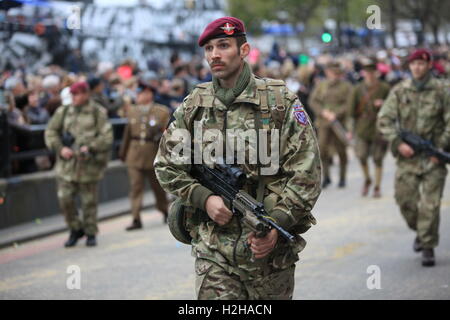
[
  {"x": 377, "y": 192},
  {"x": 136, "y": 224},
  {"x": 326, "y": 181},
  {"x": 428, "y": 257},
  {"x": 91, "y": 241},
  {"x": 73, "y": 238},
  {"x": 417, "y": 246},
  {"x": 365, "y": 189}
]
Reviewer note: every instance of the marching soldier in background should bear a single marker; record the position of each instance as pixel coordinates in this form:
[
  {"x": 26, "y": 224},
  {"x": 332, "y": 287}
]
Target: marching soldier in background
[
  {"x": 81, "y": 137},
  {"x": 330, "y": 101},
  {"x": 368, "y": 98},
  {"x": 146, "y": 123},
  {"x": 420, "y": 105}
]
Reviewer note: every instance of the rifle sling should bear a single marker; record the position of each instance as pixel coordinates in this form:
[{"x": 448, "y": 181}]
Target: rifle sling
[{"x": 261, "y": 184}]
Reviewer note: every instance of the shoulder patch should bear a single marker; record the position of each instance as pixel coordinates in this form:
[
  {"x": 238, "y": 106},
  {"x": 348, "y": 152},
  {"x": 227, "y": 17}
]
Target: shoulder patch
[{"x": 300, "y": 114}]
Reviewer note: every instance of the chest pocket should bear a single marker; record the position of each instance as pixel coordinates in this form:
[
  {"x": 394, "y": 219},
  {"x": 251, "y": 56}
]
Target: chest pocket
[
  {"x": 429, "y": 114},
  {"x": 82, "y": 125}
]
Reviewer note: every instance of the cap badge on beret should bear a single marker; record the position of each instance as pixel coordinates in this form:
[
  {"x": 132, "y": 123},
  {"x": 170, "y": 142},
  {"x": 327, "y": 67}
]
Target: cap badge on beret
[{"x": 228, "y": 28}]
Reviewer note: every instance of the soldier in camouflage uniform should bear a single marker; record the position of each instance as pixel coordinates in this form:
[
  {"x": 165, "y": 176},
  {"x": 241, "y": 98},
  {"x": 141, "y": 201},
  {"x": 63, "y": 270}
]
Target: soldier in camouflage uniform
[
  {"x": 420, "y": 105},
  {"x": 368, "y": 97},
  {"x": 146, "y": 123},
  {"x": 236, "y": 99},
  {"x": 80, "y": 165},
  {"x": 330, "y": 101}
]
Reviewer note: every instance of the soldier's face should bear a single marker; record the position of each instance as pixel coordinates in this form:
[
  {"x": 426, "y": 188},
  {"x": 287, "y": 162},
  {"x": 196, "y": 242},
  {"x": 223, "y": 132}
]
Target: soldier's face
[
  {"x": 332, "y": 74},
  {"x": 224, "y": 58},
  {"x": 369, "y": 75},
  {"x": 419, "y": 68},
  {"x": 80, "y": 98},
  {"x": 144, "y": 97}
]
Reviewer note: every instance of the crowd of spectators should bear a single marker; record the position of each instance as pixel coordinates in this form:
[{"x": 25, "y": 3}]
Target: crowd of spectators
[{"x": 31, "y": 99}]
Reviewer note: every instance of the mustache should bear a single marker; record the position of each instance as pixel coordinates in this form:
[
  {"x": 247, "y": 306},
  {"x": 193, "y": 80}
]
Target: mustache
[{"x": 217, "y": 63}]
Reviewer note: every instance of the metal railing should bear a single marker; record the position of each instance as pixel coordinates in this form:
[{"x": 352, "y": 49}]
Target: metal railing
[{"x": 25, "y": 142}]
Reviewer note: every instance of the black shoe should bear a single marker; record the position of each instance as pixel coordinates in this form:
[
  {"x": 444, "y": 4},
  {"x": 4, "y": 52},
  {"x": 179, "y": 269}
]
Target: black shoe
[
  {"x": 326, "y": 181},
  {"x": 73, "y": 238},
  {"x": 91, "y": 241},
  {"x": 341, "y": 183},
  {"x": 417, "y": 247},
  {"x": 135, "y": 225},
  {"x": 428, "y": 257}
]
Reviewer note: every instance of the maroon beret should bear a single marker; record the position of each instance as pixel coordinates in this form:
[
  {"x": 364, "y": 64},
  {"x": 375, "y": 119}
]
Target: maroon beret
[
  {"x": 222, "y": 28},
  {"x": 78, "y": 87},
  {"x": 420, "y": 54}
]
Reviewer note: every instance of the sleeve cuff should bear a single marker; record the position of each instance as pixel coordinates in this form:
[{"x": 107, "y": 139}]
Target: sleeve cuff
[
  {"x": 394, "y": 146},
  {"x": 199, "y": 196}
]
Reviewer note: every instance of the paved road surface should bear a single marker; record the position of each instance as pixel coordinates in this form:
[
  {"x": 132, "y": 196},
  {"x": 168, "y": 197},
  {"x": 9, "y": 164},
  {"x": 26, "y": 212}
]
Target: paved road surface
[{"x": 352, "y": 235}]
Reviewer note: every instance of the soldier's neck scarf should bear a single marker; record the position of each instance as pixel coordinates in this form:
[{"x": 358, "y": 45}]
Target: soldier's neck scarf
[
  {"x": 226, "y": 95},
  {"x": 421, "y": 83}
]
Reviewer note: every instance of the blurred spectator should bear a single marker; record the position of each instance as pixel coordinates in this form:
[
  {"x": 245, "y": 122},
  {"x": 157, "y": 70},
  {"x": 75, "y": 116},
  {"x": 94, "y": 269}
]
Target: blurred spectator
[
  {"x": 33, "y": 112},
  {"x": 51, "y": 99},
  {"x": 16, "y": 86},
  {"x": 181, "y": 73},
  {"x": 75, "y": 62},
  {"x": 96, "y": 86},
  {"x": 105, "y": 70},
  {"x": 178, "y": 92},
  {"x": 14, "y": 115},
  {"x": 163, "y": 95}
]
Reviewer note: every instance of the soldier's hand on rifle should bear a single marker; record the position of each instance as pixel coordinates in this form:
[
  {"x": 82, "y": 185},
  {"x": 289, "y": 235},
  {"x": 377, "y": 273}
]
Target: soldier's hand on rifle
[
  {"x": 261, "y": 247},
  {"x": 435, "y": 160},
  {"x": 84, "y": 149},
  {"x": 66, "y": 153},
  {"x": 405, "y": 150},
  {"x": 217, "y": 211}
]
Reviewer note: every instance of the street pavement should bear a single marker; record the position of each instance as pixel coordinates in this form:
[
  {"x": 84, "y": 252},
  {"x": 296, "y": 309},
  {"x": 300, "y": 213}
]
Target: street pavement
[{"x": 359, "y": 249}]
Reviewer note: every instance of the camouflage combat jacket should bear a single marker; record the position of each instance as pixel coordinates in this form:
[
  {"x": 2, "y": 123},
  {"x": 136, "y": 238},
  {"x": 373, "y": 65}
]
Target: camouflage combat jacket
[
  {"x": 425, "y": 113},
  {"x": 90, "y": 127},
  {"x": 290, "y": 193}
]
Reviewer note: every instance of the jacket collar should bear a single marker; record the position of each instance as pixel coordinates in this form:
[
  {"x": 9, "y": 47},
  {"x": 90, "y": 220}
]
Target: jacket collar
[{"x": 208, "y": 99}]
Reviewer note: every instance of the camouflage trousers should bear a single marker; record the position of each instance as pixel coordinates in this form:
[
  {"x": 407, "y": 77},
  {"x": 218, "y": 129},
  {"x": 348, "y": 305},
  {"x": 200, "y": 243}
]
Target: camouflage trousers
[
  {"x": 375, "y": 149},
  {"x": 214, "y": 283},
  {"x": 419, "y": 198},
  {"x": 67, "y": 191}
]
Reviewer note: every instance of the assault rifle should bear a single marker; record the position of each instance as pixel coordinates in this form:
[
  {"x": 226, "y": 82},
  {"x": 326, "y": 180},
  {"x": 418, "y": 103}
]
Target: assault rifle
[
  {"x": 227, "y": 181},
  {"x": 421, "y": 145}
]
